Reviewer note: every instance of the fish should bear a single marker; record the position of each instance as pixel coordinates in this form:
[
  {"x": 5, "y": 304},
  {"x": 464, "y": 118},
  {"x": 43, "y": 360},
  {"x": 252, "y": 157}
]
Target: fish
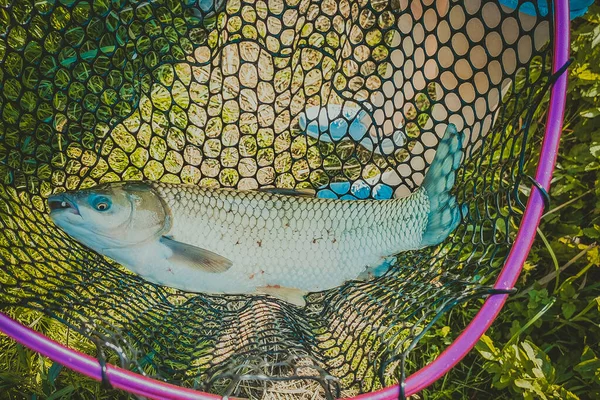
[{"x": 278, "y": 242}]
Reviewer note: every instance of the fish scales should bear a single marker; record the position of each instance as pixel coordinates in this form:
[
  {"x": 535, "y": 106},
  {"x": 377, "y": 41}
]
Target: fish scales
[{"x": 278, "y": 240}]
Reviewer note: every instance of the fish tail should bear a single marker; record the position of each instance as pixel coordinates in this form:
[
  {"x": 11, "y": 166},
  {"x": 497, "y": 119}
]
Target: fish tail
[{"x": 444, "y": 212}]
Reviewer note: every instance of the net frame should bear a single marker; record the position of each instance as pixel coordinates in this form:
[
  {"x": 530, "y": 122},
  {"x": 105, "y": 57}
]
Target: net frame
[{"x": 456, "y": 351}]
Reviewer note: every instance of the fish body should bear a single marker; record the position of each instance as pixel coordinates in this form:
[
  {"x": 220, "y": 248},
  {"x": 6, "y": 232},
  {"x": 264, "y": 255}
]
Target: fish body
[{"x": 226, "y": 241}]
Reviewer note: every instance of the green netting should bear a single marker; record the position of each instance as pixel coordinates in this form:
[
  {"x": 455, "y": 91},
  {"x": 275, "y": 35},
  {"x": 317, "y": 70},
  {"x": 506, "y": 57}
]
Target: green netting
[{"x": 227, "y": 95}]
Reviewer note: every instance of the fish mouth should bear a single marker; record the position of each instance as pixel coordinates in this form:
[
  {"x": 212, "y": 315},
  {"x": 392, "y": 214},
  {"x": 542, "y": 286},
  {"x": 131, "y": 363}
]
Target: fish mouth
[{"x": 60, "y": 202}]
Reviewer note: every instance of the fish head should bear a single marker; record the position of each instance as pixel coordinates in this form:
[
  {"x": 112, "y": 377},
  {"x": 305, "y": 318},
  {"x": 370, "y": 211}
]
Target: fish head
[{"x": 113, "y": 215}]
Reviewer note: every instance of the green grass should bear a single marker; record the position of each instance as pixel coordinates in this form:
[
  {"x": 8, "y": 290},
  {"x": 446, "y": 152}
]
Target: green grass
[{"x": 26, "y": 374}]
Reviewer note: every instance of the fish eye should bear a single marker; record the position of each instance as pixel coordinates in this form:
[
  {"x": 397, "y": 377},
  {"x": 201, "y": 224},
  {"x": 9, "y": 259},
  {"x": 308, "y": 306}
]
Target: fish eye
[{"x": 101, "y": 203}]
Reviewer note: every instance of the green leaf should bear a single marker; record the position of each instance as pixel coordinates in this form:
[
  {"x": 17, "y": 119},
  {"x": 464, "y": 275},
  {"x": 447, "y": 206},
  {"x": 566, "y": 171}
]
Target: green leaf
[
  {"x": 524, "y": 384},
  {"x": 593, "y": 233},
  {"x": 588, "y": 354},
  {"x": 530, "y": 351},
  {"x": 567, "y": 291},
  {"x": 486, "y": 348},
  {"x": 568, "y": 309},
  {"x": 24, "y": 359},
  {"x": 567, "y": 395},
  {"x": 596, "y": 39},
  {"x": 586, "y": 74},
  {"x": 592, "y": 166},
  {"x": 515, "y": 328},
  {"x": 60, "y": 393},
  {"x": 593, "y": 255},
  {"x": 590, "y": 112},
  {"x": 53, "y": 372},
  {"x": 589, "y": 369},
  {"x": 445, "y": 331}
]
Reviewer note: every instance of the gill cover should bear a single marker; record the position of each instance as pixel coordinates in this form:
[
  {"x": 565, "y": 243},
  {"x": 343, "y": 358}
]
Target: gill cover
[{"x": 149, "y": 217}]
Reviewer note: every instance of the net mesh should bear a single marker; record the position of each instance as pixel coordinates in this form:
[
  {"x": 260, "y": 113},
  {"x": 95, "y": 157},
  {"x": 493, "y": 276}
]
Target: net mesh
[{"x": 346, "y": 97}]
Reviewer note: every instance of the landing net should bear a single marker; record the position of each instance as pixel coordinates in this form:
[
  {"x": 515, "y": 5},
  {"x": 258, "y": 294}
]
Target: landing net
[{"x": 349, "y": 98}]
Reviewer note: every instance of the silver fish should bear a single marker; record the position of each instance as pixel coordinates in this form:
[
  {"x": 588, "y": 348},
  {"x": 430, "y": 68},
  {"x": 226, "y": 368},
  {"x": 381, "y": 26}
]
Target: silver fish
[{"x": 226, "y": 241}]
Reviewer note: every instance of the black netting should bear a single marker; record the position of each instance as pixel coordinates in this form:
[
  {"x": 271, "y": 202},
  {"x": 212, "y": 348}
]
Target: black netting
[{"x": 249, "y": 94}]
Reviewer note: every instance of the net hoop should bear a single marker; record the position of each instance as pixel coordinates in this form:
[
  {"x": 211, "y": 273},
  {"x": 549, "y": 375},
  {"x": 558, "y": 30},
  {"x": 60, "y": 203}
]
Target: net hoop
[{"x": 144, "y": 386}]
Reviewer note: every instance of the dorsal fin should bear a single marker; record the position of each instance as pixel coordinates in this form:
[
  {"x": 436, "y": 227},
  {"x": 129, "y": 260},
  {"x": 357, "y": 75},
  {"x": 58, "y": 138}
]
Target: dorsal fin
[{"x": 289, "y": 192}]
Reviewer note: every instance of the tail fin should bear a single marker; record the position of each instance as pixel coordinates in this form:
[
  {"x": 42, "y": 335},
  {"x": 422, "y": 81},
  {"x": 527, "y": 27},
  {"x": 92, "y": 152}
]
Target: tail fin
[{"x": 444, "y": 212}]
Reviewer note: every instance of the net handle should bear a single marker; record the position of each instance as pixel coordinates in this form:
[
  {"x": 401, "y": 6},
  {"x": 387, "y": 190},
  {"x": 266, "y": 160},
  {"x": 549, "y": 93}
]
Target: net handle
[{"x": 152, "y": 388}]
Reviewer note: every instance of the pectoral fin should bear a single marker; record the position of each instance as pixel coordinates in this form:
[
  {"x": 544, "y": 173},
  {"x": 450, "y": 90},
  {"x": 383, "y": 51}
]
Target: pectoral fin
[
  {"x": 291, "y": 295},
  {"x": 194, "y": 256}
]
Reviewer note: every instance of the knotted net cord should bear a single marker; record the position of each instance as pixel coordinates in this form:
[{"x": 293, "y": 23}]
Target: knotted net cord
[{"x": 250, "y": 94}]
